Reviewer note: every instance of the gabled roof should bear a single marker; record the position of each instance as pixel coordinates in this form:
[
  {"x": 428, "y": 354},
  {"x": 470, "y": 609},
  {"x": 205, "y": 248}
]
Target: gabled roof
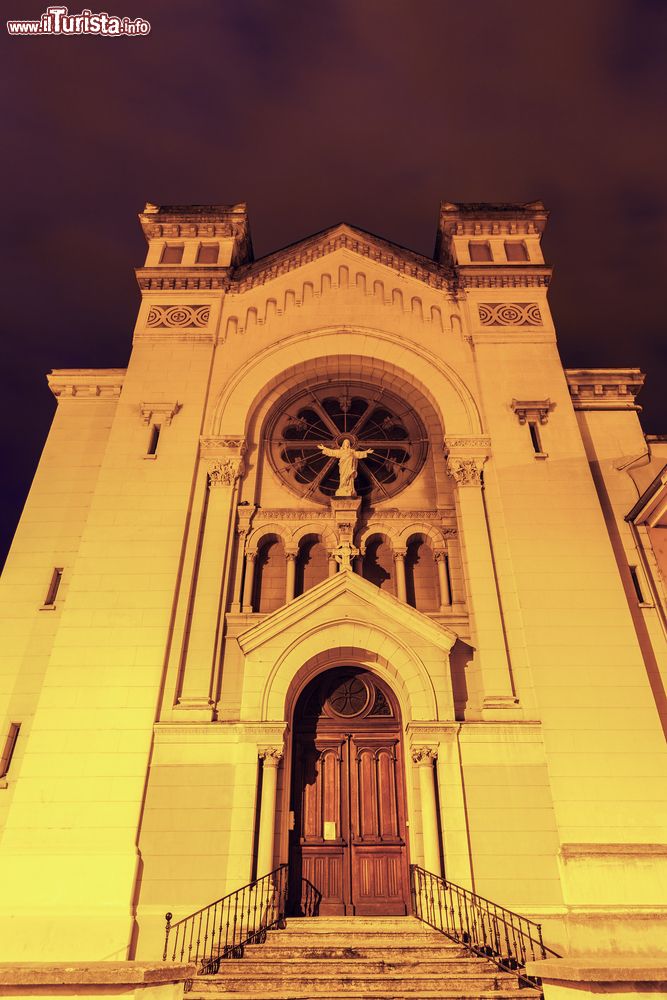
[
  {"x": 337, "y": 589},
  {"x": 341, "y": 236}
]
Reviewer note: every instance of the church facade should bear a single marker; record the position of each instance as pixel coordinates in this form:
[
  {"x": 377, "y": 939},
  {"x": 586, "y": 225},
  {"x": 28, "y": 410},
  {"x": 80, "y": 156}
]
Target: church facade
[{"x": 344, "y": 571}]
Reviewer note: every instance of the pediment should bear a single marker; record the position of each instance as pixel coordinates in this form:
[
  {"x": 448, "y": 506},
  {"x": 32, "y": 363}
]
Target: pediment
[
  {"x": 343, "y": 236},
  {"x": 336, "y": 595}
]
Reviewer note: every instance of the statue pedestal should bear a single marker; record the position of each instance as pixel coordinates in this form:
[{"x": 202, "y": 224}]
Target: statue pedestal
[{"x": 346, "y": 512}]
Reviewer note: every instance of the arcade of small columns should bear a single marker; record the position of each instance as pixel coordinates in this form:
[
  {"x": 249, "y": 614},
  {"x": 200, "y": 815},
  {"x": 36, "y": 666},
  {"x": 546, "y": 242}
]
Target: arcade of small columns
[{"x": 222, "y": 460}]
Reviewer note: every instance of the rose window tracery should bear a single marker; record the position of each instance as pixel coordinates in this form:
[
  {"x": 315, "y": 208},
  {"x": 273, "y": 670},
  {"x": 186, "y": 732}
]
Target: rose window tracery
[{"x": 369, "y": 418}]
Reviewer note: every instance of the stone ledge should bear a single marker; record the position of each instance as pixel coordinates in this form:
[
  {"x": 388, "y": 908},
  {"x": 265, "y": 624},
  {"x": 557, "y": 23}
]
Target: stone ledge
[
  {"x": 598, "y": 969},
  {"x": 93, "y": 973}
]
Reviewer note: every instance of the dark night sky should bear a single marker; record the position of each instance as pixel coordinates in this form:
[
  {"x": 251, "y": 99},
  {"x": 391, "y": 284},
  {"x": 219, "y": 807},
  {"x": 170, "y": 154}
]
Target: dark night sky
[{"x": 320, "y": 111}]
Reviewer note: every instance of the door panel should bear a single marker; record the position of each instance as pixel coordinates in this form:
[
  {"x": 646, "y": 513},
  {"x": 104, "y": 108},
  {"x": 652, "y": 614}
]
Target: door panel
[{"x": 348, "y": 851}]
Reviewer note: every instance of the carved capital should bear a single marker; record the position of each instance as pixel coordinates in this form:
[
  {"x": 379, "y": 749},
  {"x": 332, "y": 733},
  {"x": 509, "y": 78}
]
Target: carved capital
[
  {"x": 270, "y": 756},
  {"x": 466, "y": 471},
  {"x": 424, "y": 755},
  {"x": 224, "y": 472},
  {"x": 440, "y": 555}
]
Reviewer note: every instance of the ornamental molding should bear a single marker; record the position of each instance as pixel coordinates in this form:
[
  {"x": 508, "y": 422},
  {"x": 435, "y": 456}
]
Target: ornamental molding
[
  {"x": 472, "y": 445},
  {"x": 532, "y": 409},
  {"x": 509, "y": 314},
  {"x": 428, "y": 733},
  {"x": 224, "y": 472},
  {"x": 466, "y": 471},
  {"x": 604, "y": 388},
  {"x": 178, "y": 316},
  {"x": 84, "y": 383},
  {"x": 287, "y": 514},
  {"x": 218, "y": 446},
  {"x": 343, "y": 238},
  {"x": 507, "y": 279},
  {"x": 161, "y": 412},
  {"x": 423, "y": 754},
  {"x": 264, "y": 734},
  {"x": 163, "y": 279}
]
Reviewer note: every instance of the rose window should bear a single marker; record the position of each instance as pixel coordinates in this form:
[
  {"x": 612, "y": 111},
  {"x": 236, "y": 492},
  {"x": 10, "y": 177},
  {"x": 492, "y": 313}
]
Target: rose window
[{"x": 368, "y": 418}]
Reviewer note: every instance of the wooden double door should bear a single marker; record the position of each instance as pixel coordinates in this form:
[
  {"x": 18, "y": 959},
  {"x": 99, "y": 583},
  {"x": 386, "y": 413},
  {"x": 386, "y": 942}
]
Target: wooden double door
[{"x": 348, "y": 847}]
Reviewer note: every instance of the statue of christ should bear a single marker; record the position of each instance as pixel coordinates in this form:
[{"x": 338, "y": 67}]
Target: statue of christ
[{"x": 348, "y": 459}]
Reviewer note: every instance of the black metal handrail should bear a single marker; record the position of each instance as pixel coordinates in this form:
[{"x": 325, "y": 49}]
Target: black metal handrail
[
  {"x": 222, "y": 929},
  {"x": 483, "y": 927}
]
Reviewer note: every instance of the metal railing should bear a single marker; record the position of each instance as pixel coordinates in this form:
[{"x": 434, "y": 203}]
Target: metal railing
[
  {"x": 484, "y": 928},
  {"x": 223, "y": 928}
]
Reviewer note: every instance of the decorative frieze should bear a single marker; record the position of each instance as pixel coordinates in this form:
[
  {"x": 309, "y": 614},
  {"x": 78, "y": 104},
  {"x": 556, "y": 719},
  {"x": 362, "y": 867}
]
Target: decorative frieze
[
  {"x": 510, "y": 314},
  {"x": 178, "y": 316},
  {"x": 161, "y": 279},
  {"x": 212, "y": 446}
]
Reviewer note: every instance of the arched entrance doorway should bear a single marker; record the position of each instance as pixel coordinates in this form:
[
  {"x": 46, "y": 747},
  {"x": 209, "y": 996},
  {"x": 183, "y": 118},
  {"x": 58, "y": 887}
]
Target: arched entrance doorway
[{"x": 348, "y": 844}]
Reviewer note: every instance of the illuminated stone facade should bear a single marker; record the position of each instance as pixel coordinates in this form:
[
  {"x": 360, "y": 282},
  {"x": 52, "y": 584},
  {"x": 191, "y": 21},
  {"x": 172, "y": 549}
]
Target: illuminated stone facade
[{"x": 183, "y": 571}]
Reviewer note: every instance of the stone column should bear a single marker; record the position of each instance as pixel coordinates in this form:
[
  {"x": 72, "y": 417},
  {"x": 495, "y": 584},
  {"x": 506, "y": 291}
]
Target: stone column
[
  {"x": 423, "y": 757},
  {"x": 245, "y": 514},
  {"x": 464, "y": 463},
  {"x": 290, "y": 576},
  {"x": 246, "y": 604},
  {"x": 333, "y": 565},
  {"x": 399, "y": 565},
  {"x": 197, "y": 665},
  {"x": 270, "y": 757},
  {"x": 445, "y": 593}
]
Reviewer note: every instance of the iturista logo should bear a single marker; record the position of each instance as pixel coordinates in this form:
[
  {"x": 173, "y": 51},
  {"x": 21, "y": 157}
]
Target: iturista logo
[{"x": 59, "y": 21}]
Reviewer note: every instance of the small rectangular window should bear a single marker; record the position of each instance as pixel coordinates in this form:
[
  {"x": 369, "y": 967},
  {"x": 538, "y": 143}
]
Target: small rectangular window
[
  {"x": 516, "y": 250},
  {"x": 9, "y": 747},
  {"x": 153, "y": 440},
  {"x": 535, "y": 437},
  {"x": 54, "y": 586},
  {"x": 479, "y": 250},
  {"x": 637, "y": 585},
  {"x": 208, "y": 253},
  {"x": 172, "y": 253}
]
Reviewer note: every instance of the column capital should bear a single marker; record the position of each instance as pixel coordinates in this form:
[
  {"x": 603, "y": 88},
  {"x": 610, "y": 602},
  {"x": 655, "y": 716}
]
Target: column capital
[
  {"x": 400, "y": 553},
  {"x": 440, "y": 555},
  {"x": 424, "y": 755},
  {"x": 271, "y": 756},
  {"x": 291, "y": 554},
  {"x": 224, "y": 471},
  {"x": 466, "y": 471}
]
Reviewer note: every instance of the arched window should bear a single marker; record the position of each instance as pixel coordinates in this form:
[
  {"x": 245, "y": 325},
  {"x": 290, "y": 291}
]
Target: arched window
[
  {"x": 378, "y": 564},
  {"x": 270, "y": 575},
  {"x": 312, "y": 564},
  {"x": 421, "y": 575}
]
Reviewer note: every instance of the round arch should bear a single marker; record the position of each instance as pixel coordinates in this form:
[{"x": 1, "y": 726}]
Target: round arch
[
  {"x": 320, "y": 352},
  {"x": 353, "y": 642}
]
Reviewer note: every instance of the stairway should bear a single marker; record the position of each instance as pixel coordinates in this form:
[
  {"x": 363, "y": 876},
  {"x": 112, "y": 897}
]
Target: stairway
[{"x": 358, "y": 958}]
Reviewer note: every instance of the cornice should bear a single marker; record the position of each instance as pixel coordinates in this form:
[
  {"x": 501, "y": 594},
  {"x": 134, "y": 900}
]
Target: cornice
[
  {"x": 86, "y": 383},
  {"x": 374, "y": 248},
  {"x": 178, "y": 278},
  {"x": 507, "y": 276},
  {"x": 604, "y": 388}
]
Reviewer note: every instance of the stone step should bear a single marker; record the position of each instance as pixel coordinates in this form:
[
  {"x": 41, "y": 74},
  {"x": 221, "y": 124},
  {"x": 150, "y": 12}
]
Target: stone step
[
  {"x": 380, "y": 993},
  {"x": 328, "y": 981},
  {"x": 266, "y": 953},
  {"x": 372, "y": 939},
  {"x": 309, "y": 968}
]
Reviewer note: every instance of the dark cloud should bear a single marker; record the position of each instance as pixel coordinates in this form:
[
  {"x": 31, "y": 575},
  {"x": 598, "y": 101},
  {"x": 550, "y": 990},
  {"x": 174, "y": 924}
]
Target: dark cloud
[{"x": 371, "y": 111}]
